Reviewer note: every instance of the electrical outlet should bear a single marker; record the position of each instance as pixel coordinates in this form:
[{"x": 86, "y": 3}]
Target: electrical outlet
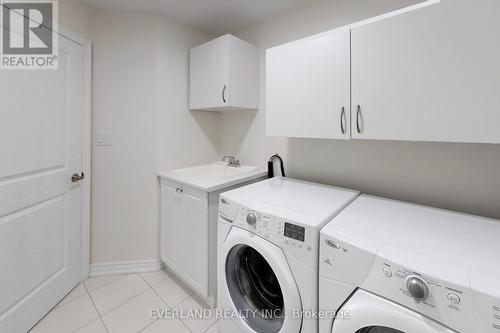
[{"x": 103, "y": 138}]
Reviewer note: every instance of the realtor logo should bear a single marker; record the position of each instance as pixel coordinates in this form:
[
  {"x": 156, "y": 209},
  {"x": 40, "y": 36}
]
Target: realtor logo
[{"x": 29, "y": 35}]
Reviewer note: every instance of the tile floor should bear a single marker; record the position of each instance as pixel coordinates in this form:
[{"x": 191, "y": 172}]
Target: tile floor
[{"x": 122, "y": 304}]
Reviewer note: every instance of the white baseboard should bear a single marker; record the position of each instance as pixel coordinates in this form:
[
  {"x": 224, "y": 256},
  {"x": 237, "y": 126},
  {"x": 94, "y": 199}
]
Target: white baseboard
[{"x": 125, "y": 267}]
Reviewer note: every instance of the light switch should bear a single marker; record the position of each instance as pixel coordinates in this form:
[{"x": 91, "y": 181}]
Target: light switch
[{"x": 103, "y": 138}]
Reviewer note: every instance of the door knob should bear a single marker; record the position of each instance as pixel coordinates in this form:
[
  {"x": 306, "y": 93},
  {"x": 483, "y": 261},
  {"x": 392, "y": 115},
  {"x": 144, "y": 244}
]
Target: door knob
[{"x": 76, "y": 177}]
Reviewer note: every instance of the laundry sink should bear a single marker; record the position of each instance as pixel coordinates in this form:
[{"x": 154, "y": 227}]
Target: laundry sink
[
  {"x": 214, "y": 171},
  {"x": 213, "y": 176}
]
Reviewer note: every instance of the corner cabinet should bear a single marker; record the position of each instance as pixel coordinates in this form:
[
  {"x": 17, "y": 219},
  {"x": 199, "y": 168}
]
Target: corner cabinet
[
  {"x": 224, "y": 75},
  {"x": 428, "y": 73},
  {"x": 308, "y": 87}
]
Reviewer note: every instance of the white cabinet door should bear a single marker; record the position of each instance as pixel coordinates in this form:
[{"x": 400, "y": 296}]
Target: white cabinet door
[
  {"x": 308, "y": 87},
  {"x": 243, "y": 74},
  {"x": 41, "y": 146},
  {"x": 224, "y": 75},
  {"x": 209, "y": 74},
  {"x": 194, "y": 240},
  {"x": 171, "y": 214},
  {"x": 430, "y": 75}
]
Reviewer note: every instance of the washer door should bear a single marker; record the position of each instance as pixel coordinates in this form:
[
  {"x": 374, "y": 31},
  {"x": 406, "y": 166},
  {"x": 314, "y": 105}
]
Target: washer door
[
  {"x": 260, "y": 284},
  {"x": 367, "y": 313}
]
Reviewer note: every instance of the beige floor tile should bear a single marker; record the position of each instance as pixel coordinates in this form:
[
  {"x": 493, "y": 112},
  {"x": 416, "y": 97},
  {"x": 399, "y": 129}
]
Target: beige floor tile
[
  {"x": 94, "y": 327},
  {"x": 96, "y": 282},
  {"x": 77, "y": 292},
  {"x": 166, "y": 325},
  {"x": 214, "y": 328},
  {"x": 195, "y": 325},
  {"x": 117, "y": 292},
  {"x": 154, "y": 277},
  {"x": 134, "y": 314},
  {"x": 68, "y": 317},
  {"x": 172, "y": 291}
]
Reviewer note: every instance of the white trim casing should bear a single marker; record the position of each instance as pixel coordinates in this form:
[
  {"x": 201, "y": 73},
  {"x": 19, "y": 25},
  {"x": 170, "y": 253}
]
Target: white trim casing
[
  {"x": 86, "y": 167},
  {"x": 125, "y": 267}
]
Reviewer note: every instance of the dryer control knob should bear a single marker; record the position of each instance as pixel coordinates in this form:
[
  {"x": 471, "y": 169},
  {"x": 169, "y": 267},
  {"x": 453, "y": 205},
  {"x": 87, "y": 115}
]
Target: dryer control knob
[
  {"x": 417, "y": 287},
  {"x": 251, "y": 218}
]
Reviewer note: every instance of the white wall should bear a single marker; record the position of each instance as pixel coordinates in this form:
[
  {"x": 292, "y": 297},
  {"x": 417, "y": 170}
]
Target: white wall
[
  {"x": 463, "y": 177},
  {"x": 76, "y": 16},
  {"x": 140, "y": 96}
]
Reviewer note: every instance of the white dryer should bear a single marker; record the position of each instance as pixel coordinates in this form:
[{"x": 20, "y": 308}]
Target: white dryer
[
  {"x": 268, "y": 252},
  {"x": 394, "y": 267}
]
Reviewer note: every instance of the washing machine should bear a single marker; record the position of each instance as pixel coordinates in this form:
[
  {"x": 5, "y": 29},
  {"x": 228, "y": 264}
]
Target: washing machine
[
  {"x": 394, "y": 267},
  {"x": 268, "y": 249}
]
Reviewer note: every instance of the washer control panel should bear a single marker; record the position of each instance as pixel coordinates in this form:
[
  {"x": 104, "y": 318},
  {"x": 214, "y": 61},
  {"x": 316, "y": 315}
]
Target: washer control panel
[
  {"x": 255, "y": 222},
  {"x": 291, "y": 236},
  {"x": 294, "y": 231},
  {"x": 251, "y": 218}
]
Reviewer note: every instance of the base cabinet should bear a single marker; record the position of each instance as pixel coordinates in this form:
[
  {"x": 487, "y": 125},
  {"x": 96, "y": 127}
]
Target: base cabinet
[
  {"x": 188, "y": 235},
  {"x": 171, "y": 210},
  {"x": 194, "y": 240},
  {"x": 184, "y": 234}
]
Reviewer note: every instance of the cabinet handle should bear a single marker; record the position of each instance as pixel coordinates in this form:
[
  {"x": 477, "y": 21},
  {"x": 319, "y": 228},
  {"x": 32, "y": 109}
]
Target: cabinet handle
[
  {"x": 224, "y": 94},
  {"x": 358, "y": 114},
  {"x": 342, "y": 120}
]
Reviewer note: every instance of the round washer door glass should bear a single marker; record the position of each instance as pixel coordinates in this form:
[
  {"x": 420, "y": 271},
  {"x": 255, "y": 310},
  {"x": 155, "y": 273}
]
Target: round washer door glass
[
  {"x": 378, "y": 329},
  {"x": 254, "y": 289}
]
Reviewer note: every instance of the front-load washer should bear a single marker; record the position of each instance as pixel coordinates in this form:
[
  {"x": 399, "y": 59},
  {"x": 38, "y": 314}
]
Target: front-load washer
[
  {"x": 394, "y": 267},
  {"x": 268, "y": 238}
]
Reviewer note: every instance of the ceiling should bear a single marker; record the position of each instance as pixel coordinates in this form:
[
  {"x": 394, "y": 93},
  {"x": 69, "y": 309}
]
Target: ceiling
[{"x": 213, "y": 16}]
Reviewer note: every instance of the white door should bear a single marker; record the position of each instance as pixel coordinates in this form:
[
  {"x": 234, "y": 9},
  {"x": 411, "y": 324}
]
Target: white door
[
  {"x": 194, "y": 240},
  {"x": 308, "y": 87},
  {"x": 209, "y": 74},
  {"x": 368, "y": 313},
  {"x": 170, "y": 232},
  {"x": 429, "y": 75},
  {"x": 40, "y": 207}
]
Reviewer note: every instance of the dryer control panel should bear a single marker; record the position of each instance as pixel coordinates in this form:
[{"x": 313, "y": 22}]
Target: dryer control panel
[
  {"x": 487, "y": 296},
  {"x": 446, "y": 297},
  {"x": 448, "y": 302}
]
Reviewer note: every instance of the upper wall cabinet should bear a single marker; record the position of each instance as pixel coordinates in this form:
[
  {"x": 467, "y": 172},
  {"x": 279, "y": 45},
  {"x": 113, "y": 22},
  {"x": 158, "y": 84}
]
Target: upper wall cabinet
[
  {"x": 429, "y": 75},
  {"x": 224, "y": 75},
  {"x": 308, "y": 87}
]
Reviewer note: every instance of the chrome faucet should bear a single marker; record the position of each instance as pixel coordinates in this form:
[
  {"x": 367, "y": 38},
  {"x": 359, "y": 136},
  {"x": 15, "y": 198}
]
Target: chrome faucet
[{"x": 231, "y": 161}]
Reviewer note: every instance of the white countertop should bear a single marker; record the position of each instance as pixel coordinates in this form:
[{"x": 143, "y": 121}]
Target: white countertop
[{"x": 214, "y": 176}]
